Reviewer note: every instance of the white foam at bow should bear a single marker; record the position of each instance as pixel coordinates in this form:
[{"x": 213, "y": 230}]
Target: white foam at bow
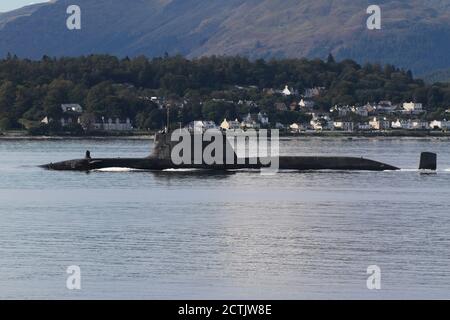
[{"x": 118, "y": 169}]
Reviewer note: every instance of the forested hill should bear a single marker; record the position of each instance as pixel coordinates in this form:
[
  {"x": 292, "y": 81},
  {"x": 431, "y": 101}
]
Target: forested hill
[
  {"x": 415, "y": 34},
  {"x": 107, "y": 85}
]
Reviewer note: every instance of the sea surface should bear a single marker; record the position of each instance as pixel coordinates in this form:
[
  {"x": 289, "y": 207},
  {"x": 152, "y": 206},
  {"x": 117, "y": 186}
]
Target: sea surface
[{"x": 240, "y": 235}]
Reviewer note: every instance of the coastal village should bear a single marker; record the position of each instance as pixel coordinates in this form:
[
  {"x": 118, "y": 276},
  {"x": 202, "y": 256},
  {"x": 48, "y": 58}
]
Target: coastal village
[{"x": 373, "y": 117}]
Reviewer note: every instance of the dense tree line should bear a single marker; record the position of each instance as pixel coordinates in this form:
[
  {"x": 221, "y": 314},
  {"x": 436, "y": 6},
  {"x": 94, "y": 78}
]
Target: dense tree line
[{"x": 108, "y": 86}]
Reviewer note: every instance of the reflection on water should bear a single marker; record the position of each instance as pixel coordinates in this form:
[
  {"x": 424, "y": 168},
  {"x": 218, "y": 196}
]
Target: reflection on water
[{"x": 203, "y": 234}]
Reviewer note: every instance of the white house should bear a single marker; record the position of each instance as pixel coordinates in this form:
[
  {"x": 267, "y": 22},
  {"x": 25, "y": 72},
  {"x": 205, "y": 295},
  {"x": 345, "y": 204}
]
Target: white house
[
  {"x": 397, "y": 124},
  {"x": 412, "y": 107},
  {"x": 420, "y": 125},
  {"x": 72, "y": 107},
  {"x": 306, "y": 104},
  {"x": 379, "y": 124},
  {"x": 385, "y": 107},
  {"x": 111, "y": 124},
  {"x": 361, "y": 111},
  {"x": 230, "y": 125},
  {"x": 443, "y": 125},
  {"x": 316, "y": 124},
  {"x": 64, "y": 120},
  {"x": 296, "y": 127},
  {"x": 344, "y": 125},
  {"x": 207, "y": 125},
  {"x": 201, "y": 126},
  {"x": 435, "y": 124},
  {"x": 250, "y": 122},
  {"x": 263, "y": 119},
  {"x": 287, "y": 91}
]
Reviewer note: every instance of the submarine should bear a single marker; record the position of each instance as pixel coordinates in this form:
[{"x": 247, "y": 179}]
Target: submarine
[{"x": 160, "y": 159}]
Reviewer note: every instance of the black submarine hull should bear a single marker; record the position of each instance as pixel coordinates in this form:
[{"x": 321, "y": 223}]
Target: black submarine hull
[
  {"x": 285, "y": 163},
  {"x": 161, "y": 159}
]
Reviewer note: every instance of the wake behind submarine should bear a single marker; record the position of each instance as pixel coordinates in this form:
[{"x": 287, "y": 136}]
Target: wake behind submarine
[{"x": 161, "y": 160}]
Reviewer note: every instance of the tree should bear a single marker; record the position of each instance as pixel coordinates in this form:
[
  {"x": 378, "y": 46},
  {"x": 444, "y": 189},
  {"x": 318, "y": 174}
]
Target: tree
[
  {"x": 87, "y": 121},
  {"x": 330, "y": 59},
  {"x": 5, "y": 124},
  {"x": 155, "y": 120},
  {"x": 219, "y": 110},
  {"x": 7, "y": 97},
  {"x": 57, "y": 94},
  {"x": 96, "y": 98}
]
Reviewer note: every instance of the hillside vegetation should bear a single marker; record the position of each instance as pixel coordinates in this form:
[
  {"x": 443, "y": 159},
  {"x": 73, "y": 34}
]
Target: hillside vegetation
[{"x": 108, "y": 86}]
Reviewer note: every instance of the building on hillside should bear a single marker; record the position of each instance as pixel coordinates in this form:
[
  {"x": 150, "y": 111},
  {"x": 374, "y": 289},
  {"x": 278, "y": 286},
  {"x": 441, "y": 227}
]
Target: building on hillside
[
  {"x": 250, "y": 125},
  {"x": 263, "y": 119},
  {"x": 322, "y": 122},
  {"x": 412, "y": 107},
  {"x": 342, "y": 111},
  {"x": 297, "y": 127},
  {"x": 289, "y": 91},
  {"x": 281, "y": 106},
  {"x": 225, "y": 125},
  {"x": 313, "y": 92},
  {"x": 200, "y": 126},
  {"x": 110, "y": 124},
  {"x": 71, "y": 107},
  {"x": 360, "y": 111},
  {"x": 65, "y": 120},
  {"x": 347, "y": 126},
  {"x": 208, "y": 125},
  {"x": 398, "y": 124},
  {"x": 379, "y": 124},
  {"x": 306, "y": 105},
  {"x": 279, "y": 126},
  {"x": 250, "y": 122},
  {"x": 420, "y": 125},
  {"x": 235, "y": 125},
  {"x": 364, "y": 126},
  {"x": 230, "y": 125},
  {"x": 440, "y": 125},
  {"x": 317, "y": 125},
  {"x": 385, "y": 107},
  {"x": 269, "y": 91}
]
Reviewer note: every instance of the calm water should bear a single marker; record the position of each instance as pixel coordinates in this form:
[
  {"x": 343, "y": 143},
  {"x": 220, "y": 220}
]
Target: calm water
[{"x": 222, "y": 236}]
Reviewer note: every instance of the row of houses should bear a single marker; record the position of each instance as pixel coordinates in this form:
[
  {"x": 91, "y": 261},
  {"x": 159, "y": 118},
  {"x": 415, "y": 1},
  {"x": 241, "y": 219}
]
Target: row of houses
[
  {"x": 324, "y": 123},
  {"x": 290, "y": 91},
  {"x": 382, "y": 107},
  {"x": 303, "y": 105},
  {"x": 251, "y": 121},
  {"x": 73, "y": 114}
]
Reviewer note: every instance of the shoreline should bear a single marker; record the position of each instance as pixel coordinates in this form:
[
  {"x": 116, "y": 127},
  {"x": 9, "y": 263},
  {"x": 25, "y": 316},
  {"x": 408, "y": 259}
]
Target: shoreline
[
  {"x": 74, "y": 138},
  {"x": 310, "y": 134}
]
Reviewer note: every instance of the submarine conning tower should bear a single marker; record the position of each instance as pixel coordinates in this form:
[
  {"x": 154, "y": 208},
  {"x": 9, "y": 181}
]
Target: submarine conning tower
[
  {"x": 163, "y": 144},
  {"x": 428, "y": 161}
]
